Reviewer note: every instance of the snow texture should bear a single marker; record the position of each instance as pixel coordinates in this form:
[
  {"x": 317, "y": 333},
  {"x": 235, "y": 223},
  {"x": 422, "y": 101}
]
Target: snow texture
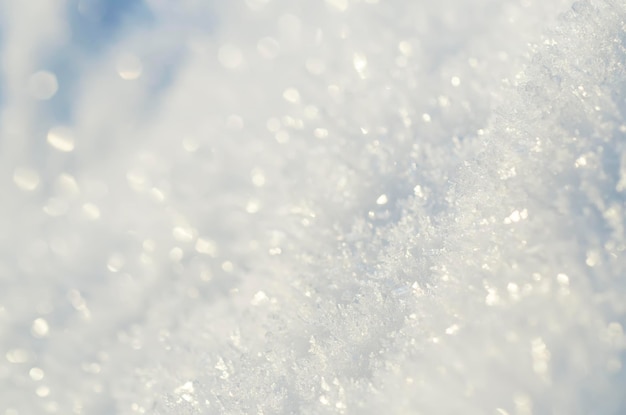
[{"x": 312, "y": 207}]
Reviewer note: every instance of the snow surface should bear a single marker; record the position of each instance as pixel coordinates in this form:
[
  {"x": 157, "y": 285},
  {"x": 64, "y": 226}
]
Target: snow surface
[{"x": 312, "y": 207}]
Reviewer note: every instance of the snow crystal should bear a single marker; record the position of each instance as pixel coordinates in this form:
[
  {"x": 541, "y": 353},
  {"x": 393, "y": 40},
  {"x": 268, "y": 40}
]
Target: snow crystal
[{"x": 335, "y": 207}]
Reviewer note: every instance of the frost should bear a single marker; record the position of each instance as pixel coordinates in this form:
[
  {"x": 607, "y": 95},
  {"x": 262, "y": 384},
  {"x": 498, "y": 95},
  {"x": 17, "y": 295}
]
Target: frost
[{"x": 335, "y": 207}]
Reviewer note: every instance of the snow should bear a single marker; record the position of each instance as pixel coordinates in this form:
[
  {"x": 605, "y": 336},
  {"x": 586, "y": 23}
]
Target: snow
[{"x": 339, "y": 207}]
